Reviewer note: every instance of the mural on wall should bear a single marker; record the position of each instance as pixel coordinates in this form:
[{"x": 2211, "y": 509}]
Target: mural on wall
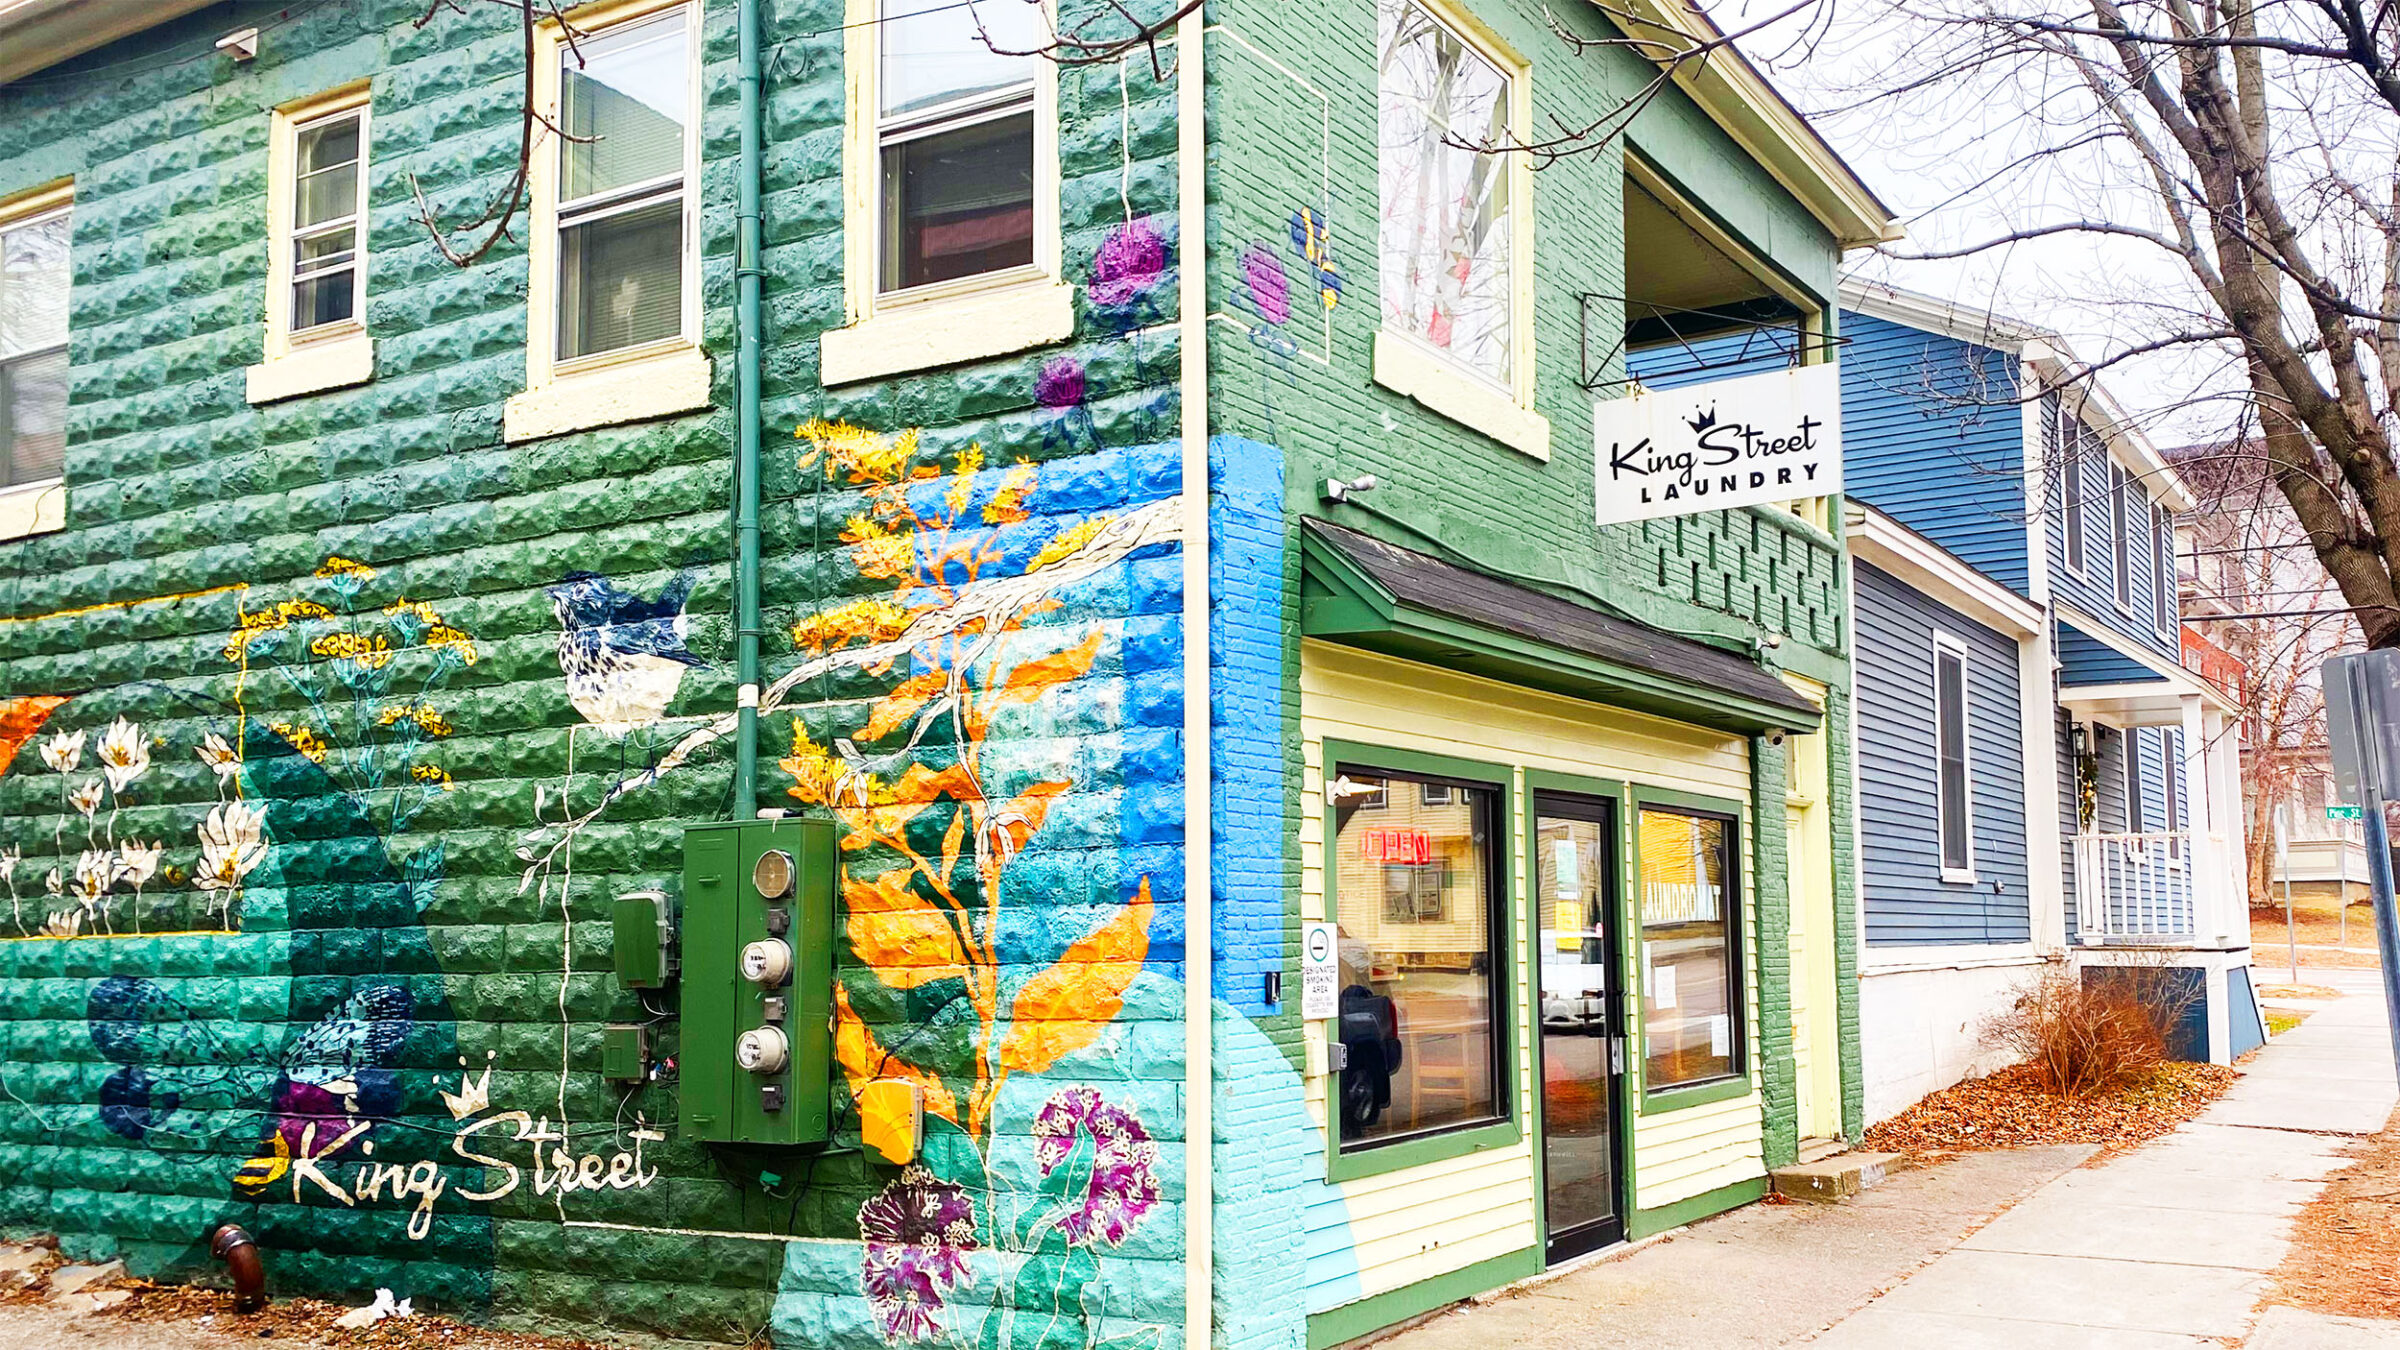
[{"x": 933, "y": 827}]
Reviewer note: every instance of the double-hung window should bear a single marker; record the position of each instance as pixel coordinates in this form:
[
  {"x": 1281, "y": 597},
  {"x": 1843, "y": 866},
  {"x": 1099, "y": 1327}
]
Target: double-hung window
[
  {"x": 2120, "y": 528},
  {"x": 954, "y": 131},
  {"x": 328, "y": 221},
  {"x": 614, "y": 302},
  {"x": 1953, "y": 797},
  {"x": 34, "y": 275},
  {"x": 2162, "y": 568},
  {"x": 317, "y": 225},
  {"x": 2074, "y": 441},
  {"x": 624, "y": 186}
]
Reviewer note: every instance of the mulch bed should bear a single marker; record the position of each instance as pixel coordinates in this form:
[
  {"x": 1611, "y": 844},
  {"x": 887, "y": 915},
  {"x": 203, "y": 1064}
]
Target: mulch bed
[
  {"x": 2009, "y": 1109},
  {"x": 2345, "y": 1254},
  {"x": 308, "y": 1320}
]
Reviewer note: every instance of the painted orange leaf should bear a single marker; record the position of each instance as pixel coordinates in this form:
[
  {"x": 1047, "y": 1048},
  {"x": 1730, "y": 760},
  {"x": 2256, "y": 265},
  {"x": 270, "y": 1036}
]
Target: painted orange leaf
[
  {"x": 903, "y": 702},
  {"x": 19, "y": 719},
  {"x": 904, "y": 937},
  {"x": 1064, "y": 1008},
  {"x": 1031, "y": 679},
  {"x": 862, "y": 1058}
]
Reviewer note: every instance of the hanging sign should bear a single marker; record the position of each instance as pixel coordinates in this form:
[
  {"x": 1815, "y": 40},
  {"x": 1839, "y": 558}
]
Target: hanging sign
[
  {"x": 1320, "y": 969},
  {"x": 1745, "y": 441}
]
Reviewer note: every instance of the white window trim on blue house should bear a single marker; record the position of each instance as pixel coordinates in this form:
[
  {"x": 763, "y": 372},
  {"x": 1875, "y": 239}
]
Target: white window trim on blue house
[{"x": 1963, "y": 871}]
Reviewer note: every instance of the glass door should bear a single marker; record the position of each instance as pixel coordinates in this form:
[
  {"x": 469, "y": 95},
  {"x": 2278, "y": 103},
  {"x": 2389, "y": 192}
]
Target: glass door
[{"x": 1582, "y": 1058}]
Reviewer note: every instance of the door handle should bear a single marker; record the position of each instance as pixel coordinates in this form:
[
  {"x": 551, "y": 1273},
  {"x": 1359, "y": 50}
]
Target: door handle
[{"x": 1616, "y": 1054}]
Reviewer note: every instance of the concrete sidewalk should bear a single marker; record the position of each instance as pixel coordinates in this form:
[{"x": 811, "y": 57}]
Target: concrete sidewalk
[{"x": 2172, "y": 1244}]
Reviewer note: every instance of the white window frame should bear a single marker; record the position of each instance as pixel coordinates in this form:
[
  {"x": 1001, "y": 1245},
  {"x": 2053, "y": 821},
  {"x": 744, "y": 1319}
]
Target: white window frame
[
  {"x": 2170, "y": 743},
  {"x": 2074, "y": 441},
  {"x": 325, "y": 356},
  {"x": 2120, "y": 529},
  {"x": 967, "y": 319},
  {"x": 1413, "y": 369},
  {"x": 39, "y": 506},
  {"x": 2164, "y": 588},
  {"x": 653, "y": 379},
  {"x": 2131, "y": 739},
  {"x": 1946, "y": 646}
]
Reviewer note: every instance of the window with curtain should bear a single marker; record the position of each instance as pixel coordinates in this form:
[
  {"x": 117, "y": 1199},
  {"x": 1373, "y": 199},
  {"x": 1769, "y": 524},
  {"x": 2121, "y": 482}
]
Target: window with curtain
[
  {"x": 329, "y": 215},
  {"x": 954, "y": 128},
  {"x": 625, "y": 103},
  {"x": 33, "y": 347},
  {"x": 1691, "y": 983},
  {"x": 1952, "y": 800},
  {"x": 1416, "y": 889},
  {"x": 1447, "y": 221}
]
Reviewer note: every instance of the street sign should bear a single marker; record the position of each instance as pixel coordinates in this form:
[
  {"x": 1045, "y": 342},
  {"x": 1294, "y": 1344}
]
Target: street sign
[
  {"x": 1320, "y": 970},
  {"x": 2344, "y": 813}
]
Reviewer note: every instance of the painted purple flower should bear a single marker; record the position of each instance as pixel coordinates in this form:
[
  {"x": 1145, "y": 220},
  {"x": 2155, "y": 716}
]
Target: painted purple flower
[
  {"x": 1131, "y": 263},
  {"x": 1060, "y": 385},
  {"x": 918, "y": 1232},
  {"x": 1269, "y": 289},
  {"x": 1124, "y": 1183}
]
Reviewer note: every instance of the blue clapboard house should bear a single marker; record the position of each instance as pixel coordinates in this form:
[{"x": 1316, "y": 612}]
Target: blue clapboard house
[{"x": 2041, "y": 781}]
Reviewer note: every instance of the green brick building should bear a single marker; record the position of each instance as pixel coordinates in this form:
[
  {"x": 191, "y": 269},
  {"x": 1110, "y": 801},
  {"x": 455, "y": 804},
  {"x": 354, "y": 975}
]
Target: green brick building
[{"x": 1233, "y": 903}]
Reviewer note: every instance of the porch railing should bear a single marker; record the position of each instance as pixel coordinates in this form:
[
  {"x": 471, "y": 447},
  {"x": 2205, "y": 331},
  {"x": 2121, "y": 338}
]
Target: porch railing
[{"x": 2136, "y": 888}]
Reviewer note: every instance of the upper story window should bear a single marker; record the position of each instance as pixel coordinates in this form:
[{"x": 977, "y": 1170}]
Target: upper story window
[
  {"x": 316, "y": 248},
  {"x": 628, "y": 106},
  {"x": 613, "y": 291},
  {"x": 328, "y": 220},
  {"x": 2162, "y": 568},
  {"x": 1952, "y": 794},
  {"x": 1448, "y": 238},
  {"x": 2075, "y": 443},
  {"x": 955, "y": 143},
  {"x": 2120, "y": 529},
  {"x": 34, "y": 277}
]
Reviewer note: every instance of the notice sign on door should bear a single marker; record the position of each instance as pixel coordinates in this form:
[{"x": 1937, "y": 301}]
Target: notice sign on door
[
  {"x": 1320, "y": 970},
  {"x": 1746, "y": 441}
]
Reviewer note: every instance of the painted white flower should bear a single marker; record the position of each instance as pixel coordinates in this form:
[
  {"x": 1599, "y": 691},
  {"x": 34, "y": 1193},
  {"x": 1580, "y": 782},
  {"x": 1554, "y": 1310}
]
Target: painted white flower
[
  {"x": 9, "y": 858},
  {"x": 231, "y": 846},
  {"x": 63, "y": 751},
  {"x": 86, "y": 798},
  {"x": 65, "y": 923},
  {"x": 95, "y": 869},
  {"x": 218, "y": 755},
  {"x": 53, "y": 883},
  {"x": 137, "y": 862},
  {"x": 124, "y": 753}
]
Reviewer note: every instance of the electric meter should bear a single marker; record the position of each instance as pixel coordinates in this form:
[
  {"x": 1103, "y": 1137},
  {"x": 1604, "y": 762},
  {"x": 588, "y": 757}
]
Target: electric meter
[
  {"x": 772, "y": 874},
  {"x": 767, "y": 962},
  {"x": 762, "y": 1050}
]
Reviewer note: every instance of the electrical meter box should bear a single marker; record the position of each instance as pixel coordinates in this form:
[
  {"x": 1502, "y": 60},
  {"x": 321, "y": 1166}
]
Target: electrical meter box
[{"x": 757, "y": 974}]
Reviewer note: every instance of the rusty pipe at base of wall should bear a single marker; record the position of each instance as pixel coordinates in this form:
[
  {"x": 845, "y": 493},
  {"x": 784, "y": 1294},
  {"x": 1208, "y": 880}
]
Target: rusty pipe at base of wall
[{"x": 239, "y": 1251}]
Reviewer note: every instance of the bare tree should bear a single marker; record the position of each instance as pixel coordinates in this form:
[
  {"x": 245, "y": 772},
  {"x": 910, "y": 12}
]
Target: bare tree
[
  {"x": 2256, "y": 145},
  {"x": 2251, "y": 560}
]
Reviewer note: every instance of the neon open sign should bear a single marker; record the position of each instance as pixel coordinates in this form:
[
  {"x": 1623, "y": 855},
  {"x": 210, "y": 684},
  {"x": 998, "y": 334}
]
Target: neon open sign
[{"x": 1410, "y": 847}]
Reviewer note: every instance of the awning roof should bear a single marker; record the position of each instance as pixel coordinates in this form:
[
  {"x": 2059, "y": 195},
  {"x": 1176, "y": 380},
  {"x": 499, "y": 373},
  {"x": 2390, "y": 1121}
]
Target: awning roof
[{"x": 1363, "y": 592}]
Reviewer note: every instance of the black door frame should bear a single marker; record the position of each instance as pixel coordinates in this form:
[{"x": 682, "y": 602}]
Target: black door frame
[{"x": 1606, "y": 812}]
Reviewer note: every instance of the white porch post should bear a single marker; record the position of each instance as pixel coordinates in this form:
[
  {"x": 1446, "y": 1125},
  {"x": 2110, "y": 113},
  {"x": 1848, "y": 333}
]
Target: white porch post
[
  {"x": 2210, "y": 910},
  {"x": 2225, "y": 807},
  {"x": 2038, "y": 716}
]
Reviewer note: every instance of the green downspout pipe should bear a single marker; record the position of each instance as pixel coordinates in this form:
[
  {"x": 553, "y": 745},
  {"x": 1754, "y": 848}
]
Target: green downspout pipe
[{"x": 747, "y": 341}]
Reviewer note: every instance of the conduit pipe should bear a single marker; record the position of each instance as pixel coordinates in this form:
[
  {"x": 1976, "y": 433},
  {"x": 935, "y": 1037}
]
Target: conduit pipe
[
  {"x": 239, "y": 1251},
  {"x": 1199, "y": 1064},
  {"x": 748, "y": 341}
]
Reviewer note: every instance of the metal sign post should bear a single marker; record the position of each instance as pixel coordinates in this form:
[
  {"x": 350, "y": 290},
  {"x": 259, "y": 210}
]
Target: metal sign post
[{"x": 2362, "y": 725}]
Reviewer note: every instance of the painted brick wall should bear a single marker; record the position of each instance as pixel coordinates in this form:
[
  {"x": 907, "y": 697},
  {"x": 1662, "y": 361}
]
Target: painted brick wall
[{"x": 425, "y": 832}]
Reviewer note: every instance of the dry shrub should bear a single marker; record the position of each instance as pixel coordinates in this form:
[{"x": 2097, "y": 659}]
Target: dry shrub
[{"x": 2081, "y": 1038}]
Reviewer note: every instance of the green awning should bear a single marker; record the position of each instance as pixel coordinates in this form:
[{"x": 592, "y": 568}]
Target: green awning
[{"x": 1362, "y": 592}]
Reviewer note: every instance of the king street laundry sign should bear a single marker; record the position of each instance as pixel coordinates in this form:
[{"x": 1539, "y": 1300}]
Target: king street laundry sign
[{"x": 1744, "y": 441}]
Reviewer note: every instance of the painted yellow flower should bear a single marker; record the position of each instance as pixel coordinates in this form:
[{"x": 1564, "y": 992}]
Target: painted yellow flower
[
  {"x": 877, "y": 550},
  {"x": 304, "y": 740},
  {"x": 868, "y": 620},
  {"x": 371, "y": 652},
  {"x": 425, "y": 613},
  {"x": 339, "y": 566},
  {"x": 1008, "y": 503},
  {"x": 433, "y": 774},
  {"x": 1066, "y": 541},
  {"x": 443, "y": 638}
]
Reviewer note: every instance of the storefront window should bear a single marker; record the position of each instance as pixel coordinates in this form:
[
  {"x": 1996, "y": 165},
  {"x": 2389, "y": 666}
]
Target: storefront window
[
  {"x": 1415, "y": 884},
  {"x": 1691, "y": 1031}
]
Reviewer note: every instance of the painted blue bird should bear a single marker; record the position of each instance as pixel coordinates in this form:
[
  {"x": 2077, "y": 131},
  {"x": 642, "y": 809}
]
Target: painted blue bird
[{"x": 623, "y": 656}]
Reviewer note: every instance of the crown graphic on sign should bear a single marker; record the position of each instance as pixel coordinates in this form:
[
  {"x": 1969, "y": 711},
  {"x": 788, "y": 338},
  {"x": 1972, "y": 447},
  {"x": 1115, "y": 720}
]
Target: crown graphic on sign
[{"x": 1703, "y": 422}]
